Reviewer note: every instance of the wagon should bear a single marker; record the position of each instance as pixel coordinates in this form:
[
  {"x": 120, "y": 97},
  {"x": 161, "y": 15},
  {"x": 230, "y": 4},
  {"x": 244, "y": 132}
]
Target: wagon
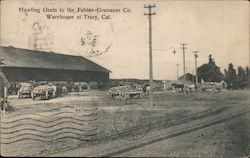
[
  {"x": 45, "y": 91},
  {"x": 25, "y": 90},
  {"x": 130, "y": 92},
  {"x": 133, "y": 95}
]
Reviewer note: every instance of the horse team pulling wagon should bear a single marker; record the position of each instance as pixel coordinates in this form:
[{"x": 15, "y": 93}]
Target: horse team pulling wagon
[
  {"x": 212, "y": 86},
  {"x": 130, "y": 92},
  {"x": 202, "y": 87}
]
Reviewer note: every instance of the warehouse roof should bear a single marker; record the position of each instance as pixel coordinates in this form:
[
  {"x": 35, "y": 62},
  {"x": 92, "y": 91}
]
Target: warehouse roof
[
  {"x": 188, "y": 76},
  {"x": 16, "y": 57}
]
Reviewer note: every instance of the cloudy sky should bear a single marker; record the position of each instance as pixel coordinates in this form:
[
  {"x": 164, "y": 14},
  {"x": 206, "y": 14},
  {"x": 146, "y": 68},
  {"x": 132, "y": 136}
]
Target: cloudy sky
[{"x": 220, "y": 28}]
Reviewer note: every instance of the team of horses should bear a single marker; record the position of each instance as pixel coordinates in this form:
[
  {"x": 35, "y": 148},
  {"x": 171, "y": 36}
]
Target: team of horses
[
  {"x": 180, "y": 87},
  {"x": 201, "y": 87}
]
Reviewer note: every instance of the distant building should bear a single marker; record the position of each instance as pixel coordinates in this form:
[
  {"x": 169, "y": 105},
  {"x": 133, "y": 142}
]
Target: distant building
[
  {"x": 189, "y": 77},
  {"x": 20, "y": 65}
]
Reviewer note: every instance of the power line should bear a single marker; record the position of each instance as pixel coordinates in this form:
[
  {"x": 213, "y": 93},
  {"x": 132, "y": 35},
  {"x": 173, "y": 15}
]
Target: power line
[{"x": 149, "y": 14}]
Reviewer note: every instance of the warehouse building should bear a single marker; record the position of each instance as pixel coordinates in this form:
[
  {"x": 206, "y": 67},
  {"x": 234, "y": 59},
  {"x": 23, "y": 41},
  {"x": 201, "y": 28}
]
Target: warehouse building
[
  {"x": 189, "y": 78},
  {"x": 21, "y": 65}
]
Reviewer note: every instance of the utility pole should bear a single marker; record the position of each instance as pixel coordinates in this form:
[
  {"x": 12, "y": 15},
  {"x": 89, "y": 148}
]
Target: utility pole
[
  {"x": 1, "y": 80},
  {"x": 149, "y": 14},
  {"x": 177, "y": 68},
  {"x": 196, "y": 71},
  {"x": 183, "y": 47}
]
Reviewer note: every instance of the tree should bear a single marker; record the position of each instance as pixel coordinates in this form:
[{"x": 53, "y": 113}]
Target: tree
[
  {"x": 248, "y": 76},
  {"x": 241, "y": 78},
  {"x": 210, "y": 72},
  {"x": 231, "y": 77}
]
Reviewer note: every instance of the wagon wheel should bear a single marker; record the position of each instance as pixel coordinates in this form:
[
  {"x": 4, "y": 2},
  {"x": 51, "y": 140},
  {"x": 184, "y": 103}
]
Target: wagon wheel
[
  {"x": 128, "y": 101},
  {"x": 130, "y": 96},
  {"x": 139, "y": 95}
]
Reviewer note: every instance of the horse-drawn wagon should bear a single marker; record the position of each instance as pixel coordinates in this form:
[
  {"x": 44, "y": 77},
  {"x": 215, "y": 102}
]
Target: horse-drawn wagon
[
  {"x": 129, "y": 92},
  {"x": 212, "y": 86}
]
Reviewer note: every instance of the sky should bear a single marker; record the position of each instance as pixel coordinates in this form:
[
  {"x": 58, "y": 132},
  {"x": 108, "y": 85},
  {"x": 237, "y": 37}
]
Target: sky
[{"x": 220, "y": 28}]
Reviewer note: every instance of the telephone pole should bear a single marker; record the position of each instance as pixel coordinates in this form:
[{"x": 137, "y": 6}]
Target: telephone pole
[
  {"x": 183, "y": 47},
  {"x": 3, "y": 87},
  {"x": 149, "y": 14},
  {"x": 196, "y": 71},
  {"x": 177, "y": 68}
]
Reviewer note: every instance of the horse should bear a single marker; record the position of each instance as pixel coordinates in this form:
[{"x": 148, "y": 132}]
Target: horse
[
  {"x": 191, "y": 88},
  {"x": 220, "y": 86},
  {"x": 178, "y": 87}
]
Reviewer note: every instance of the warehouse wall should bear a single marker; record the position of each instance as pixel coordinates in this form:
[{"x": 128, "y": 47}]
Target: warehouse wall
[{"x": 38, "y": 74}]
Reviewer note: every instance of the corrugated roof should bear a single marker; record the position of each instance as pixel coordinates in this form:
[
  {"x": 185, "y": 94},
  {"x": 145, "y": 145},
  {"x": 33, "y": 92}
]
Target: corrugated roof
[{"x": 16, "y": 57}]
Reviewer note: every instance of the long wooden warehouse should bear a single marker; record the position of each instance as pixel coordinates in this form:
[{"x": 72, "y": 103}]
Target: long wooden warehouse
[{"x": 20, "y": 65}]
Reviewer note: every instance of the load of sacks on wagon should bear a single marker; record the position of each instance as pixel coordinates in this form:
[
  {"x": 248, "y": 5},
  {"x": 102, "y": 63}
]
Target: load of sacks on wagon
[
  {"x": 212, "y": 86},
  {"x": 125, "y": 92}
]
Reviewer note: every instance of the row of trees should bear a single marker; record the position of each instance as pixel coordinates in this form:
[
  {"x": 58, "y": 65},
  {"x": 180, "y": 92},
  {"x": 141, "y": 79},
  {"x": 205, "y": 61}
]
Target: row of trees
[{"x": 236, "y": 79}]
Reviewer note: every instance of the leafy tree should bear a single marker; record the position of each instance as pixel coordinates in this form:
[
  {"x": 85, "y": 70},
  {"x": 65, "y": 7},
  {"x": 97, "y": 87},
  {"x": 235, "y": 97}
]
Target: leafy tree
[
  {"x": 210, "y": 72},
  {"x": 248, "y": 76},
  {"x": 241, "y": 78},
  {"x": 231, "y": 77}
]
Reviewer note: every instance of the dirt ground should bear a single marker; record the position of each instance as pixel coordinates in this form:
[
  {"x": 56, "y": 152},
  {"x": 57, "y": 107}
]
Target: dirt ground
[
  {"x": 228, "y": 139},
  {"x": 87, "y": 119}
]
